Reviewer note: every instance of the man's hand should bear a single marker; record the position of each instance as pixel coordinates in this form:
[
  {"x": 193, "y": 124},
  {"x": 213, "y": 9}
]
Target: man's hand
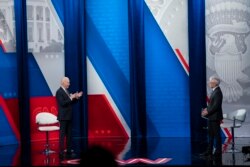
[
  {"x": 204, "y": 112},
  {"x": 78, "y": 94},
  {"x": 72, "y": 96}
]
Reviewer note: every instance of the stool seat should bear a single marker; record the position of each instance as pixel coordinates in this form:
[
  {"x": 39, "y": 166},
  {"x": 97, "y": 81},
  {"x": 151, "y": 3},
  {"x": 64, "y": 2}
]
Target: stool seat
[
  {"x": 48, "y": 128},
  {"x": 47, "y": 122},
  {"x": 235, "y": 120}
]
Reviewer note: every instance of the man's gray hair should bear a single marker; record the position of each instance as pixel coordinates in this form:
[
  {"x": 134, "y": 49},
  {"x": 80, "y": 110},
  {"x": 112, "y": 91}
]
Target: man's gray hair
[{"x": 217, "y": 79}]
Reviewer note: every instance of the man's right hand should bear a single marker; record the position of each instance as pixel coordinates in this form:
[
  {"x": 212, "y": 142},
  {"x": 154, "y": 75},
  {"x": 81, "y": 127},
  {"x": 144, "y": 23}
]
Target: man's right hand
[{"x": 204, "y": 112}]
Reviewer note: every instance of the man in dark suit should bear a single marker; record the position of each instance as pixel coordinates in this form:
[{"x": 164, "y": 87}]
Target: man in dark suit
[
  {"x": 65, "y": 100},
  {"x": 213, "y": 113}
]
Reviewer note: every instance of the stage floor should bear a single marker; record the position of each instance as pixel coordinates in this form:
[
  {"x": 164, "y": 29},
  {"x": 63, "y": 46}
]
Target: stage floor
[{"x": 128, "y": 152}]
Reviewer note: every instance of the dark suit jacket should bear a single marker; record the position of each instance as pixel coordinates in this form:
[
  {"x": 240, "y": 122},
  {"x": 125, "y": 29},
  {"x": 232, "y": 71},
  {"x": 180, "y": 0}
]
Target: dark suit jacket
[
  {"x": 214, "y": 107},
  {"x": 64, "y": 105}
]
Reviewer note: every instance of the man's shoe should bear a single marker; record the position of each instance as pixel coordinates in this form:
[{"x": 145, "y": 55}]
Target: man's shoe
[
  {"x": 66, "y": 151},
  {"x": 205, "y": 154},
  {"x": 69, "y": 152},
  {"x": 61, "y": 155},
  {"x": 70, "y": 155},
  {"x": 209, "y": 158},
  {"x": 217, "y": 154}
]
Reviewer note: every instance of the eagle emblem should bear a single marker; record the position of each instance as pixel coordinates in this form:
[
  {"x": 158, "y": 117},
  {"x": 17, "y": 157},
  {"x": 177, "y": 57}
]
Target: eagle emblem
[{"x": 228, "y": 41}]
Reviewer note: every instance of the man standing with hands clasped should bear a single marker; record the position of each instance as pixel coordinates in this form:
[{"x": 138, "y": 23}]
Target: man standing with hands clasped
[
  {"x": 64, "y": 101},
  {"x": 213, "y": 113}
]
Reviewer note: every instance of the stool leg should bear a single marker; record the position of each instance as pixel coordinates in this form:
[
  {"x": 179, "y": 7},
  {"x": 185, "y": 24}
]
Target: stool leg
[
  {"x": 47, "y": 150},
  {"x": 233, "y": 149},
  {"x": 232, "y": 129}
]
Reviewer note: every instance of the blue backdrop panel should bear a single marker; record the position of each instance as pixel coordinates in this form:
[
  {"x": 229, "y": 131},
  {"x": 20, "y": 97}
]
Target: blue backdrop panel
[
  {"x": 197, "y": 63},
  {"x": 111, "y": 21},
  {"x": 167, "y": 88},
  {"x": 38, "y": 85},
  {"x": 8, "y": 73},
  {"x": 137, "y": 69},
  {"x": 75, "y": 66},
  {"x": 8, "y": 90},
  {"x": 107, "y": 48}
]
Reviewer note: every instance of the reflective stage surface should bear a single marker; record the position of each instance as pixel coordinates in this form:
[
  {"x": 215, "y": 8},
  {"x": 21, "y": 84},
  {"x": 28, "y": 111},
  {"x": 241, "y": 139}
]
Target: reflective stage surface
[{"x": 128, "y": 152}]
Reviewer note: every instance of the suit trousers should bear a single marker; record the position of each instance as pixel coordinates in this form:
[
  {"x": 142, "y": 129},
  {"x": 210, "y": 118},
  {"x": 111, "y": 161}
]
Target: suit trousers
[
  {"x": 214, "y": 135},
  {"x": 65, "y": 131}
]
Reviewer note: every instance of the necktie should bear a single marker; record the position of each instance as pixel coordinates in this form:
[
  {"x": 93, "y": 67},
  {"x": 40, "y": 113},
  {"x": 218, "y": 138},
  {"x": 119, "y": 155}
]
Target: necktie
[{"x": 67, "y": 92}]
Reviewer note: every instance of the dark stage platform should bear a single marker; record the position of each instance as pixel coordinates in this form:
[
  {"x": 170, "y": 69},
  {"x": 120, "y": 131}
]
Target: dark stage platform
[{"x": 129, "y": 152}]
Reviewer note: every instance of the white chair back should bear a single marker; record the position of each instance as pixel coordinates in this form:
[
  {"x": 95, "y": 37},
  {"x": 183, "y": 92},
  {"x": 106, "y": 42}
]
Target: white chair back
[
  {"x": 238, "y": 115},
  {"x": 44, "y": 118}
]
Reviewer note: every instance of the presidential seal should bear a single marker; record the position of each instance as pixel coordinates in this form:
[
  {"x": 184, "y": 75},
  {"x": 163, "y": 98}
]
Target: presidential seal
[{"x": 228, "y": 41}]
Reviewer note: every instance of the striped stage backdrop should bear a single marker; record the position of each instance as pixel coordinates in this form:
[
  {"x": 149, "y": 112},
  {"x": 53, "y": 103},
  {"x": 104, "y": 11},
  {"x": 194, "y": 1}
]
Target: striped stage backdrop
[
  {"x": 108, "y": 77},
  {"x": 45, "y": 32},
  {"x": 167, "y": 68},
  {"x": 9, "y": 113}
]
